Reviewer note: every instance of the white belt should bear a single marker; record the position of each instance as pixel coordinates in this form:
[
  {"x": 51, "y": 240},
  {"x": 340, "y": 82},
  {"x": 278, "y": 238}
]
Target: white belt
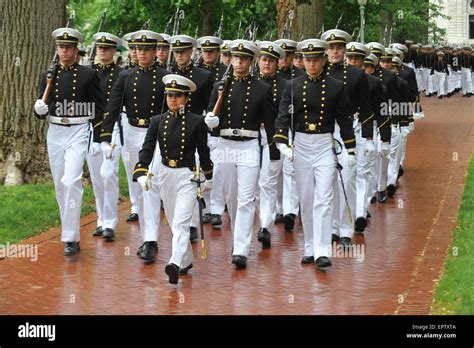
[
  {"x": 68, "y": 120},
  {"x": 239, "y": 133}
]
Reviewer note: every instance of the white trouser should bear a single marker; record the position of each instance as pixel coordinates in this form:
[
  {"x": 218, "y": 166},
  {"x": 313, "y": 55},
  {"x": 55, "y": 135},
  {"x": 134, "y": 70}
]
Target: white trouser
[
  {"x": 109, "y": 172},
  {"x": 395, "y": 156},
  {"x": 268, "y": 183},
  {"x": 67, "y": 148},
  {"x": 404, "y": 150},
  {"x": 381, "y": 167},
  {"x": 129, "y": 166},
  {"x": 450, "y": 80},
  {"x": 372, "y": 174},
  {"x": 315, "y": 172},
  {"x": 217, "y": 204},
  {"x": 365, "y": 166},
  {"x": 466, "y": 80},
  {"x": 94, "y": 163},
  {"x": 242, "y": 159},
  {"x": 430, "y": 83},
  {"x": 179, "y": 199},
  {"x": 343, "y": 221},
  {"x": 420, "y": 80},
  {"x": 290, "y": 200},
  {"x": 440, "y": 83}
]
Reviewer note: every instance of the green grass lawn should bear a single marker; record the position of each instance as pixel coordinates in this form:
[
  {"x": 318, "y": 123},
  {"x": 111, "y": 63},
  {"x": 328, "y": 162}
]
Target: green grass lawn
[
  {"x": 27, "y": 210},
  {"x": 455, "y": 292}
]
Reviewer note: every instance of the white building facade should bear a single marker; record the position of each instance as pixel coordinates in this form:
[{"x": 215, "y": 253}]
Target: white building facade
[{"x": 460, "y": 26}]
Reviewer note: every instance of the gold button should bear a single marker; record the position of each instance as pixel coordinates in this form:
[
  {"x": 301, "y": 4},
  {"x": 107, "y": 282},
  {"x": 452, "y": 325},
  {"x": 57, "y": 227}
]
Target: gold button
[
  {"x": 312, "y": 127},
  {"x": 172, "y": 163},
  {"x": 141, "y": 122}
]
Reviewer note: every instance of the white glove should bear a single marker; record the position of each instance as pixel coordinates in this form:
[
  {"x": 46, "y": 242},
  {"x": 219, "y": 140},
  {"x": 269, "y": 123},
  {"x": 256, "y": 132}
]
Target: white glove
[
  {"x": 405, "y": 131},
  {"x": 144, "y": 182},
  {"x": 207, "y": 186},
  {"x": 351, "y": 159},
  {"x": 107, "y": 150},
  {"x": 369, "y": 147},
  {"x": 274, "y": 166},
  {"x": 411, "y": 127},
  {"x": 212, "y": 121},
  {"x": 96, "y": 149},
  {"x": 41, "y": 108},
  {"x": 286, "y": 151},
  {"x": 418, "y": 115},
  {"x": 385, "y": 149}
]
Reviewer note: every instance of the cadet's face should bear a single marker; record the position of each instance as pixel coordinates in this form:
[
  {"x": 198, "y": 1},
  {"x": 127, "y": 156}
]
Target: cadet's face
[
  {"x": 298, "y": 62},
  {"x": 287, "y": 61},
  {"x": 369, "y": 69},
  {"x": 355, "y": 60},
  {"x": 162, "y": 53},
  {"x": 226, "y": 58},
  {"x": 67, "y": 53},
  {"x": 241, "y": 64},
  {"x": 314, "y": 65},
  {"x": 106, "y": 54},
  {"x": 210, "y": 57},
  {"x": 386, "y": 64},
  {"x": 176, "y": 101},
  {"x": 133, "y": 54},
  {"x": 183, "y": 58},
  {"x": 336, "y": 52},
  {"x": 267, "y": 65},
  {"x": 146, "y": 55}
]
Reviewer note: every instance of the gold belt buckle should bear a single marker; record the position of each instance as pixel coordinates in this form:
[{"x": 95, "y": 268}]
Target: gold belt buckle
[
  {"x": 172, "y": 163},
  {"x": 65, "y": 120},
  {"x": 141, "y": 122},
  {"x": 311, "y": 127}
]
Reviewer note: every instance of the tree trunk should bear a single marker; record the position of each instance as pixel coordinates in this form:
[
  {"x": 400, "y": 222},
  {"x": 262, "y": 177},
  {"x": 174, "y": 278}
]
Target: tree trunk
[
  {"x": 27, "y": 49},
  {"x": 385, "y": 26},
  {"x": 308, "y": 17}
]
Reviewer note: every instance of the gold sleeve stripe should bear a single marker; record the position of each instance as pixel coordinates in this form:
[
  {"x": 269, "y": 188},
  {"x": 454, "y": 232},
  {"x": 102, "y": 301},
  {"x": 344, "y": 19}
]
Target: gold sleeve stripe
[
  {"x": 98, "y": 124},
  {"x": 140, "y": 170},
  {"x": 105, "y": 134},
  {"x": 349, "y": 141},
  {"x": 280, "y": 136},
  {"x": 383, "y": 124},
  {"x": 368, "y": 118}
]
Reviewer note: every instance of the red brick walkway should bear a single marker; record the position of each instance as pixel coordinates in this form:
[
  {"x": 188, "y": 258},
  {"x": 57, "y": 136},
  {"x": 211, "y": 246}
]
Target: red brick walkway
[{"x": 405, "y": 247}]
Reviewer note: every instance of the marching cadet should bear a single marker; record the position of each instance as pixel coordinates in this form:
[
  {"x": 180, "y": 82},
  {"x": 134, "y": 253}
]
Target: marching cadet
[
  {"x": 179, "y": 134},
  {"x": 298, "y": 61},
  {"x": 290, "y": 201},
  {"x": 163, "y": 51},
  {"x": 211, "y": 52},
  {"x": 466, "y": 77},
  {"x": 247, "y": 104},
  {"x": 356, "y": 52},
  {"x": 270, "y": 170},
  {"x": 318, "y": 100},
  {"x": 132, "y": 62},
  {"x": 225, "y": 52},
  {"x": 357, "y": 88},
  {"x": 182, "y": 47},
  {"x": 68, "y": 134},
  {"x": 388, "y": 79},
  {"x": 382, "y": 127},
  {"x": 104, "y": 169},
  {"x": 141, "y": 91},
  {"x": 440, "y": 72}
]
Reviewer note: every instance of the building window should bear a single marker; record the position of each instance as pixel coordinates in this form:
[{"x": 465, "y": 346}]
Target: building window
[
  {"x": 472, "y": 3},
  {"x": 471, "y": 27}
]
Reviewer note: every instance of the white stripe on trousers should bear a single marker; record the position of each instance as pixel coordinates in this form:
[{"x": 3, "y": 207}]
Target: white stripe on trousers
[
  {"x": 365, "y": 167},
  {"x": 129, "y": 167},
  {"x": 67, "y": 148},
  {"x": 315, "y": 172}
]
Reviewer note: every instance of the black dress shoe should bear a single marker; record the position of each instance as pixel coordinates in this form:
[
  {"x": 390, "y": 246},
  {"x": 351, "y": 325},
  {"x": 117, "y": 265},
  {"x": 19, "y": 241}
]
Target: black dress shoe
[
  {"x": 184, "y": 271},
  {"x": 335, "y": 238},
  {"x": 206, "y": 218},
  {"x": 440, "y": 97},
  {"x": 382, "y": 196},
  {"x": 109, "y": 234},
  {"x": 216, "y": 220},
  {"x": 373, "y": 199},
  {"x": 360, "y": 224},
  {"x": 323, "y": 262},
  {"x": 71, "y": 248},
  {"x": 279, "y": 218},
  {"x": 264, "y": 237},
  {"x": 289, "y": 220},
  {"x": 401, "y": 171},
  {"x": 346, "y": 242},
  {"x": 148, "y": 251},
  {"x": 239, "y": 261},
  {"x": 132, "y": 217},
  {"x": 368, "y": 215},
  {"x": 98, "y": 232},
  {"x": 307, "y": 259},
  {"x": 193, "y": 234},
  {"x": 140, "y": 248},
  {"x": 391, "y": 190},
  {"x": 173, "y": 273}
]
